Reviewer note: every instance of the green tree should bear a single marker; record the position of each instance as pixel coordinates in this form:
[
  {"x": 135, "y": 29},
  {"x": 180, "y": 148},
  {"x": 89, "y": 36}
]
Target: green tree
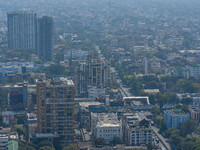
[
  {"x": 176, "y": 139},
  {"x": 196, "y": 145},
  {"x": 152, "y": 99},
  {"x": 172, "y": 97},
  {"x": 151, "y": 147},
  {"x": 99, "y": 141},
  {"x": 45, "y": 143},
  {"x": 59, "y": 56},
  {"x": 38, "y": 61},
  {"x": 153, "y": 85},
  {"x": 166, "y": 78},
  {"x": 188, "y": 127},
  {"x": 185, "y": 145},
  {"x": 20, "y": 130},
  {"x": 56, "y": 70},
  {"x": 158, "y": 120},
  {"x": 26, "y": 146},
  {"x": 155, "y": 111},
  {"x": 21, "y": 118},
  {"x": 71, "y": 147},
  {"x": 116, "y": 140},
  {"x": 183, "y": 108},
  {"x": 149, "y": 78},
  {"x": 186, "y": 101},
  {"x": 47, "y": 148},
  {"x": 171, "y": 132},
  {"x": 162, "y": 99},
  {"x": 185, "y": 86}
]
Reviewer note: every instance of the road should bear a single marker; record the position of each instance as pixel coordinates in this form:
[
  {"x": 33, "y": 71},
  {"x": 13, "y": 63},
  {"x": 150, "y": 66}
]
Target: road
[
  {"x": 163, "y": 140},
  {"x": 125, "y": 90}
]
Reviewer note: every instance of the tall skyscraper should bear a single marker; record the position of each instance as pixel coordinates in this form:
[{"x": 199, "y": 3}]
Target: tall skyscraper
[
  {"x": 21, "y": 30},
  {"x": 55, "y": 109},
  {"x": 45, "y": 38}
]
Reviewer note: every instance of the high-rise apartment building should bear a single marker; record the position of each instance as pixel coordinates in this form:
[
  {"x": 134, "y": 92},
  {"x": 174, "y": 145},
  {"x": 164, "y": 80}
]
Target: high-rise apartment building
[
  {"x": 45, "y": 38},
  {"x": 95, "y": 72},
  {"x": 21, "y": 30},
  {"x": 99, "y": 73},
  {"x": 81, "y": 81},
  {"x": 55, "y": 108}
]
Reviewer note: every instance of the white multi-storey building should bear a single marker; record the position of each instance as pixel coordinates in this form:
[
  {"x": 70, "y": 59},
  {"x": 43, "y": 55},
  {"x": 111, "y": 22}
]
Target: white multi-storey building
[
  {"x": 3, "y": 142},
  {"x": 136, "y": 130},
  {"x": 195, "y": 113},
  {"x": 106, "y": 125},
  {"x": 195, "y": 72}
]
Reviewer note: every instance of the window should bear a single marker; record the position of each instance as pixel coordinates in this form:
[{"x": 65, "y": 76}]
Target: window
[{"x": 47, "y": 93}]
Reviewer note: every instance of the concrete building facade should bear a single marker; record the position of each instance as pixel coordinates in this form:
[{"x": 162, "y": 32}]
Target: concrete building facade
[
  {"x": 94, "y": 72},
  {"x": 18, "y": 94},
  {"x": 45, "y": 38},
  {"x": 195, "y": 113},
  {"x": 106, "y": 126},
  {"x": 55, "y": 108},
  {"x": 136, "y": 130},
  {"x": 173, "y": 118},
  {"x": 21, "y": 30}
]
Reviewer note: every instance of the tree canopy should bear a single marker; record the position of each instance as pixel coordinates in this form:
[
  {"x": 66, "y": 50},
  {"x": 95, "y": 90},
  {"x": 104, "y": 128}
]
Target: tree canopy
[{"x": 71, "y": 147}]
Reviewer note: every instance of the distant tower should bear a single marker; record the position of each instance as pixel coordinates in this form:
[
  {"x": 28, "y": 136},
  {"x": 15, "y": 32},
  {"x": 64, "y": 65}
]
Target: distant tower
[
  {"x": 145, "y": 66},
  {"x": 45, "y": 38},
  {"x": 21, "y": 30},
  {"x": 70, "y": 60}
]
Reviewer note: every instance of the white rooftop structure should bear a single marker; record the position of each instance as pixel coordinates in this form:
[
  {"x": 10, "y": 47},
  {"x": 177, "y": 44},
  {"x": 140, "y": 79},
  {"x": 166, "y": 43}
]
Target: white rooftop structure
[{"x": 106, "y": 125}]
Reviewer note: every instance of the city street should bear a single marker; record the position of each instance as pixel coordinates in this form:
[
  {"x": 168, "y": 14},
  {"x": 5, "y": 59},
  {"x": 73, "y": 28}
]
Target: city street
[
  {"x": 123, "y": 88},
  {"x": 163, "y": 140}
]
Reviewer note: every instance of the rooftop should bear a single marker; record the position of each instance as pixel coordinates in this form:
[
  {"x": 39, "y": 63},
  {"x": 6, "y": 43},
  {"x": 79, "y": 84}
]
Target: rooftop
[
  {"x": 136, "y": 120},
  {"x": 177, "y": 112},
  {"x": 87, "y": 104},
  {"x": 59, "y": 80},
  {"x": 197, "y": 109},
  {"x": 106, "y": 119},
  {"x": 151, "y": 90}
]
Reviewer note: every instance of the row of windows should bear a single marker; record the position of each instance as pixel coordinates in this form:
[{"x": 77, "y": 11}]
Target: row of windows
[
  {"x": 142, "y": 132},
  {"x": 60, "y": 92},
  {"x": 140, "y": 142},
  {"x": 137, "y": 137},
  {"x": 108, "y": 135},
  {"x": 111, "y": 130}
]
